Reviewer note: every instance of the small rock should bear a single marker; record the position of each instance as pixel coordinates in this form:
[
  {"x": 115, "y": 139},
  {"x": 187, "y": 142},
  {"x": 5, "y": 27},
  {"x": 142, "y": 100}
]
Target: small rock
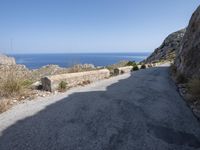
[
  {"x": 35, "y": 85},
  {"x": 14, "y": 101}
]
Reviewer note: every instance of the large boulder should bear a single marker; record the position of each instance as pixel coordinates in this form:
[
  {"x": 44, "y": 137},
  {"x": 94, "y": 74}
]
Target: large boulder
[
  {"x": 188, "y": 60},
  {"x": 5, "y": 60},
  {"x": 169, "y": 48}
]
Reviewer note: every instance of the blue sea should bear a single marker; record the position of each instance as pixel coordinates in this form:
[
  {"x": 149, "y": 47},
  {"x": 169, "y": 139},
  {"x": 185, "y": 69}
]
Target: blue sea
[{"x": 34, "y": 61}]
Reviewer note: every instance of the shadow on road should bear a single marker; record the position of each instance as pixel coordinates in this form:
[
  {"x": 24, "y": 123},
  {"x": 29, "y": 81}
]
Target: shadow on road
[{"x": 96, "y": 120}]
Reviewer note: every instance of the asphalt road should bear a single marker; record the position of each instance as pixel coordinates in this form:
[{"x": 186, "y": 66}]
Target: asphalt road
[{"x": 138, "y": 112}]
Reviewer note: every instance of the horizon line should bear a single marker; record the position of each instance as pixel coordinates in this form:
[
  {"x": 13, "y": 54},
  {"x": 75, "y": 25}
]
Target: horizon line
[{"x": 75, "y": 53}]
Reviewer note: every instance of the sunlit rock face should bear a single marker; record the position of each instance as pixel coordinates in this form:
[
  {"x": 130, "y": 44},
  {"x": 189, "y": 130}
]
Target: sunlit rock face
[
  {"x": 169, "y": 48},
  {"x": 5, "y": 60},
  {"x": 188, "y": 60}
]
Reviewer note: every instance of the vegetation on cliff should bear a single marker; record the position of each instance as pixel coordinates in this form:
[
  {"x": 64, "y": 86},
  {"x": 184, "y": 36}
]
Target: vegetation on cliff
[{"x": 169, "y": 48}]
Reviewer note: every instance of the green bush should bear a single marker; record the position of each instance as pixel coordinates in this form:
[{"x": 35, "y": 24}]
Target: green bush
[
  {"x": 131, "y": 63},
  {"x": 135, "y": 68},
  {"x": 62, "y": 86},
  {"x": 143, "y": 66}
]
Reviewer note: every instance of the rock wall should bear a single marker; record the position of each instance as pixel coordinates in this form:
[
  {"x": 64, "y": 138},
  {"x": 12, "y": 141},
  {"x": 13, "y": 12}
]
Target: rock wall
[
  {"x": 5, "y": 60},
  {"x": 51, "y": 83},
  {"x": 188, "y": 59},
  {"x": 169, "y": 48}
]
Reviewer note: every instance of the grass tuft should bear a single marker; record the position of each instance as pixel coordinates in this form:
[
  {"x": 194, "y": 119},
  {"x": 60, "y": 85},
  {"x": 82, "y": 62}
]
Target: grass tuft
[
  {"x": 5, "y": 104},
  {"x": 11, "y": 86},
  {"x": 62, "y": 86}
]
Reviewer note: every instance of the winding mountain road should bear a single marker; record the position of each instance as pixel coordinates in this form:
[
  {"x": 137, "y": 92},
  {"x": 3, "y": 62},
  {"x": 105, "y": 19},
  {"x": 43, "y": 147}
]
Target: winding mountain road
[{"x": 141, "y": 111}]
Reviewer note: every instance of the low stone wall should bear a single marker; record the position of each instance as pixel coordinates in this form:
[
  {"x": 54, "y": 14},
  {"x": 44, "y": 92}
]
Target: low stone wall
[
  {"x": 51, "y": 83},
  {"x": 122, "y": 70}
]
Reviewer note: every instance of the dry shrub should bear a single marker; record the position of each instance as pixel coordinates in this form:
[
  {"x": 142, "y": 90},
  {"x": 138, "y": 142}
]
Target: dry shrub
[
  {"x": 135, "y": 68},
  {"x": 143, "y": 66},
  {"x": 81, "y": 68},
  {"x": 5, "y": 104},
  {"x": 12, "y": 85},
  {"x": 86, "y": 82},
  {"x": 194, "y": 87},
  {"x": 62, "y": 86},
  {"x": 112, "y": 67},
  {"x": 173, "y": 69},
  {"x": 180, "y": 78},
  {"x": 131, "y": 63}
]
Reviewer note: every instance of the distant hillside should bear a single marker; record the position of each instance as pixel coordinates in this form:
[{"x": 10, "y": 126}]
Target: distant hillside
[
  {"x": 168, "y": 49},
  {"x": 188, "y": 59}
]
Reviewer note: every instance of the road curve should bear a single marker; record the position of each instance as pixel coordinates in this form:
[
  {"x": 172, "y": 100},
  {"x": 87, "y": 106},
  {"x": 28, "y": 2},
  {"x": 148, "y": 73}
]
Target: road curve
[{"x": 141, "y": 111}]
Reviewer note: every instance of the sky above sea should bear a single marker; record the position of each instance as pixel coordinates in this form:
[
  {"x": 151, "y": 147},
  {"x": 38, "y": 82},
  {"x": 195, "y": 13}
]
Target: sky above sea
[{"x": 74, "y": 26}]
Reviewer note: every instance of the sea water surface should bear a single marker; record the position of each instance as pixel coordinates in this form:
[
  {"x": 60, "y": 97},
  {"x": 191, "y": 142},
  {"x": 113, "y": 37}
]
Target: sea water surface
[{"x": 34, "y": 61}]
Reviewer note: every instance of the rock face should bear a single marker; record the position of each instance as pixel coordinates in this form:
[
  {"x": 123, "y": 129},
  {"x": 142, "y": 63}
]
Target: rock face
[
  {"x": 5, "y": 60},
  {"x": 188, "y": 59},
  {"x": 169, "y": 48}
]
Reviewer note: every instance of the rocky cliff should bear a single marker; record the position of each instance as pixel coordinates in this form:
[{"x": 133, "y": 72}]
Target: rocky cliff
[
  {"x": 188, "y": 59},
  {"x": 5, "y": 60},
  {"x": 169, "y": 48}
]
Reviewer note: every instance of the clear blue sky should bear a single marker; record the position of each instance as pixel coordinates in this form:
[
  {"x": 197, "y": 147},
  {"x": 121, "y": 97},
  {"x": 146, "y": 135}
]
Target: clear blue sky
[{"x": 50, "y": 26}]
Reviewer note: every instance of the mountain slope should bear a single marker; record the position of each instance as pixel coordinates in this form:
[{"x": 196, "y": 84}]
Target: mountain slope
[{"x": 167, "y": 51}]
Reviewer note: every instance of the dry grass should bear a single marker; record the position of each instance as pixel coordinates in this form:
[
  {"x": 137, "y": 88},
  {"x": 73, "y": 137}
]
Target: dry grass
[
  {"x": 12, "y": 85},
  {"x": 194, "y": 87},
  {"x": 81, "y": 68},
  {"x": 5, "y": 104}
]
